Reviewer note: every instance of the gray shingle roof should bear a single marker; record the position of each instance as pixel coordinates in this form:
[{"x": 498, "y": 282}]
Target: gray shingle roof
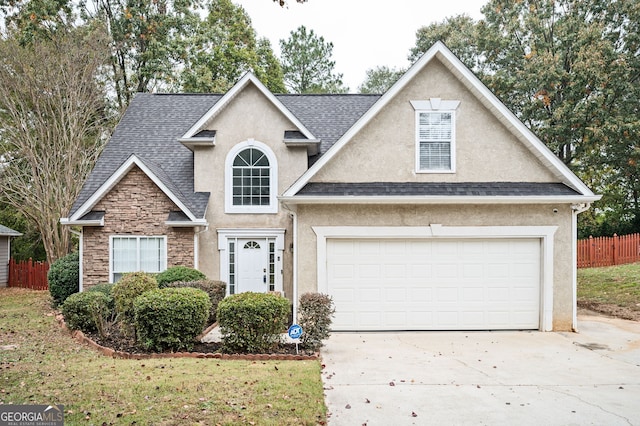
[
  {"x": 8, "y": 232},
  {"x": 486, "y": 189},
  {"x": 152, "y": 124}
]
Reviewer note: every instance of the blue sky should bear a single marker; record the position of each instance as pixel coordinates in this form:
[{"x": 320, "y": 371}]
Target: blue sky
[{"x": 365, "y": 33}]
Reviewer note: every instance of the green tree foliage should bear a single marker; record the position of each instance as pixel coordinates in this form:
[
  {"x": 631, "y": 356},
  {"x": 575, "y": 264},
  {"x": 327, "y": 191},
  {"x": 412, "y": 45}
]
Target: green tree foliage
[
  {"x": 223, "y": 48},
  {"x": 147, "y": 42},
  {"x": 31, "y": 20},
  {"x": 27, "y": 246},
  {"x": 307, "y": 64},
  {"x": 380, "y": 79},
  {"x": 460, "y": 33},
  {"x": 569, "y": 69}
]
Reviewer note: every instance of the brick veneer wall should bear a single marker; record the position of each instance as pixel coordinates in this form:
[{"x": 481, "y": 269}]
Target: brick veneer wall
[{"x": 135, "y": 206}]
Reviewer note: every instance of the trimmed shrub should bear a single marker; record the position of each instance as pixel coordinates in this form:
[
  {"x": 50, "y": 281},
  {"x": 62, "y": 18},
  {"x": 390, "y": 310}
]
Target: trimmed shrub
[
  {"x": 216, "y": 290},
  {"x": 64, "y": 278},
  {"x": 179, "y": 273},
  {"x": 86, "y": 311},
  {"x": 170, "y": 318},
  {"x": 252, "y": 322},
  {"x": 105, "y": 289},
  {"x": 127, "y": 289},
  {"x": 316, "y": 310}
]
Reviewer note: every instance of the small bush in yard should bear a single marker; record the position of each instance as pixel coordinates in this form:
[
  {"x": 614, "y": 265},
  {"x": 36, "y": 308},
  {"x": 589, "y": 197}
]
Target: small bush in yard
[
  {"x": 252, "y": 322},
  {"x": 105, "y": 289},
  {"x": 64, "y": 278},
  {"x": 316, "y": 310},
  {"x": 216, "y": 290},
  {"x": 127, "y": 289},
  {"x": 86, "y": 311},
  {"x": 170, "y": 318},
  {"x": 179, "y": 273}
]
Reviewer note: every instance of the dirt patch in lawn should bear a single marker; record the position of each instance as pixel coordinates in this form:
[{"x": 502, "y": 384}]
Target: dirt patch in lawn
[{"x": 609, "y": 310}]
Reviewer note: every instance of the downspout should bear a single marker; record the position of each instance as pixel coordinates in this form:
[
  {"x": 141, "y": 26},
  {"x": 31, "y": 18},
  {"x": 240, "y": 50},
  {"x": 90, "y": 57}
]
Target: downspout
[
  {"x": 196, "y": 246},
  {"x": 80, "y": 249},
  {"x": 576, "y": 209},
  {"x": 294, "y": 216}
]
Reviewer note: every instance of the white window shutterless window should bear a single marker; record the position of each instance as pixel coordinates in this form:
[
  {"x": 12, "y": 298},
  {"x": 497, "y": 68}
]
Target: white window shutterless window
[
  {"x": 251, "y": 179},
  {"x": 435, "y": 135},
  {"x": 137, "y": 253}
]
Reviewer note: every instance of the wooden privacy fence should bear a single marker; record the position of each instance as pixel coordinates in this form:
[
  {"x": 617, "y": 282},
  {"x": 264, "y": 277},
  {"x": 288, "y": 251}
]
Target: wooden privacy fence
[
  {"x": 608, "y": 251},
  {"x": 28, "y": 274}
]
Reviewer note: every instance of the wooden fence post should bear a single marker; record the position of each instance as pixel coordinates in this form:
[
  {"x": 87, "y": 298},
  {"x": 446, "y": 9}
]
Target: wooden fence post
[
  {"x": 615, "y": 249},
  {"x": 592, "y": 249}
]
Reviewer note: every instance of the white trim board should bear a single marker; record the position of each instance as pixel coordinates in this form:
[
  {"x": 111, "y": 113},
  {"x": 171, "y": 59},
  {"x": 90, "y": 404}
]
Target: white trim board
[{"x": 436, "y": 231}]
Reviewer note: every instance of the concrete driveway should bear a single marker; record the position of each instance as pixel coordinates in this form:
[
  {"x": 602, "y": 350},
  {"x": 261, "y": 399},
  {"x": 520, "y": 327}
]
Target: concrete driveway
[{"x": 492, "y": 378}]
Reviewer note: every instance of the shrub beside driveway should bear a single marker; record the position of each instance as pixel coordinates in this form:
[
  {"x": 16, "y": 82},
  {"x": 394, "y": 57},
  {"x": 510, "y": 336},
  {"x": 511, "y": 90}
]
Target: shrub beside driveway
[{"x": 47, "y": 366}]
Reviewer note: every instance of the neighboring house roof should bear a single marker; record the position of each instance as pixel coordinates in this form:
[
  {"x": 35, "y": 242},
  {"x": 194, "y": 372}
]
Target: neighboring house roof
[
  {"x": 153, "y": 124},
  {"x": 8, "y": 232},
  {"x": 482, "y": 93}
]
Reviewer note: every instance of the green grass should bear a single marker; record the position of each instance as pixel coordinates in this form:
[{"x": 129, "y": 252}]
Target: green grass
[
  {"x": 49, "y": 367},
  {"x": 613, "y": 285}
]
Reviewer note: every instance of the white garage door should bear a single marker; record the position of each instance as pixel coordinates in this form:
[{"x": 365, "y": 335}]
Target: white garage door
[{"x": 471, "y": 284}]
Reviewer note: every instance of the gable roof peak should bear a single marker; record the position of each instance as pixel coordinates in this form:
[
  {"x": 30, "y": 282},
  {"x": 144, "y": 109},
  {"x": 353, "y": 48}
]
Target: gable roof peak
[
  {"x": 247, "y": 79},
  {"x": 440, "y": 51}
]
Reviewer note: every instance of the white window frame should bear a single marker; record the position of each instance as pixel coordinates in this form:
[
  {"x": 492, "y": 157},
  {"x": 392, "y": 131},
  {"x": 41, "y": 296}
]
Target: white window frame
[
  {"x": 229, "y": 207},
  {"x": 437, "y": 106},
  {"x": 163, "y": 265}
]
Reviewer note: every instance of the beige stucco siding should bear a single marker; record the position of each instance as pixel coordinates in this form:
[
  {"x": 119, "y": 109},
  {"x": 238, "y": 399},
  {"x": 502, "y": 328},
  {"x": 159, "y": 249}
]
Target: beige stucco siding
[
  {"x": 453, "y": 215},
  {"x": 384, "y": 150},
  {"x": 249, "y": 116}
]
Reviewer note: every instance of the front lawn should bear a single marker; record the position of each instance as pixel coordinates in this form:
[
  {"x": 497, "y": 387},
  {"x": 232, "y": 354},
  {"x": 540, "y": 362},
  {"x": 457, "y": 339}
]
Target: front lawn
[
  {"x": 613, "y": 290},
  {"x": 42, "y": 364}
]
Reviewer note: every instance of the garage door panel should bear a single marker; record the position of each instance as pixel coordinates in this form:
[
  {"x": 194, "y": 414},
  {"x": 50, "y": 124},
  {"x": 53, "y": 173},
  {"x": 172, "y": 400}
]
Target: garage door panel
[{"x": 412, "y": 284}]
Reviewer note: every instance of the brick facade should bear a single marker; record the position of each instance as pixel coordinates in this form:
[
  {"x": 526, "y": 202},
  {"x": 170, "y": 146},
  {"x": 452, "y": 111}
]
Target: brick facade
[{"x": 135, "y": 206}]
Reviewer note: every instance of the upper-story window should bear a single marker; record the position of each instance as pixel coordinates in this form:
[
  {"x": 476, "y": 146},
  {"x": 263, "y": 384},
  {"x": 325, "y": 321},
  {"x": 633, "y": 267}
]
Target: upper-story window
[
  {"x": 435, "y": 135},
  {"x": 251, "y": 179}
]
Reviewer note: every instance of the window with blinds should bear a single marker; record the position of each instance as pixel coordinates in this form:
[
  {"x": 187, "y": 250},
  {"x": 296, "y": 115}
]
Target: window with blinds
[
  {"x": 137, "y": 253},
  {"x": 435, "y": 141}
]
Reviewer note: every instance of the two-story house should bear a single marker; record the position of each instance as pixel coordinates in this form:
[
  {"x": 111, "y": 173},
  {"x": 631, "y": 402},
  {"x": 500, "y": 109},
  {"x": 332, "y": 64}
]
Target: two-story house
[{"x": 430, "y": 207}]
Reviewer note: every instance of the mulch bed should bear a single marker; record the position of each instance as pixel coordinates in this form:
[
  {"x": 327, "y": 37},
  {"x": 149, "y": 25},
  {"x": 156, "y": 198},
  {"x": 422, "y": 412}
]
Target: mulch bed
[{"x": 118, "y": 346}]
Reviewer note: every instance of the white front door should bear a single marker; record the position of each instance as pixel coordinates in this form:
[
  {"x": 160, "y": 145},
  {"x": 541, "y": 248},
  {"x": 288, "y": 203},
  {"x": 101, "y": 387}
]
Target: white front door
[
  {"x": 253, "y": 256},
  {"x": 251, "y": 259}
]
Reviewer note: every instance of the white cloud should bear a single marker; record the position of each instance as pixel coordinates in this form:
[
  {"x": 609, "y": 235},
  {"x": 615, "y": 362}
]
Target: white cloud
[{"x": 365, "y": 33}]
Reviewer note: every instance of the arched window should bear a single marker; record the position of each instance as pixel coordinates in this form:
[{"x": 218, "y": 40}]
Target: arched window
[{"x": 251, "y": 179}]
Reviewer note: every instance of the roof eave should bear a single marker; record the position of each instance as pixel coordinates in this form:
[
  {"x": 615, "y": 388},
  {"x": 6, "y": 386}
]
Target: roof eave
[
  {"x": 193, "y": 142},
  {"x": 312, "y": 145},
  {"x": 437, "y": 199},
  {"x": 65, "y": 221},
  {"x": 186, "y": 223}
]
